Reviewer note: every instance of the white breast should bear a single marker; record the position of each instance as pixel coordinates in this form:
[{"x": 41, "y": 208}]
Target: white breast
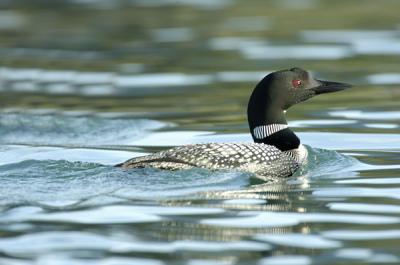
[{"x": 299, "y": 154}]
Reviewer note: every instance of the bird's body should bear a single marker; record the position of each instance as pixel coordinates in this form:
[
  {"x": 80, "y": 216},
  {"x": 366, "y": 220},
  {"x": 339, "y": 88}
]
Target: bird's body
[
  {"x": 276, "y": 151},
  {"x": 258, "y": 158}
]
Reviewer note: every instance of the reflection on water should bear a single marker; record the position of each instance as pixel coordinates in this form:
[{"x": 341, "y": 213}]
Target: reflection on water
[
  {"x": 88, "y": 84},
  {"x": 193, "y": 211}
]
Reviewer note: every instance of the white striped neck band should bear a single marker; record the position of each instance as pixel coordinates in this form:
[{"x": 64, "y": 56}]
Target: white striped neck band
[{"x": 263, "y": 131}]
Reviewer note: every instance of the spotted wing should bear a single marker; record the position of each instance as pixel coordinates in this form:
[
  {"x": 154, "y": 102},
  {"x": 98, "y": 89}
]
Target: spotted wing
[
  {"x": 253, "y": 157},
  {"x": 225, "y": 155}
]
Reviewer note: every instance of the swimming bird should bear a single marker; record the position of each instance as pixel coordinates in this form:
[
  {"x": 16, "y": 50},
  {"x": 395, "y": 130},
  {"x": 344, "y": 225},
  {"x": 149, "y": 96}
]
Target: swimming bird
[{"x": 276, "y": 150}]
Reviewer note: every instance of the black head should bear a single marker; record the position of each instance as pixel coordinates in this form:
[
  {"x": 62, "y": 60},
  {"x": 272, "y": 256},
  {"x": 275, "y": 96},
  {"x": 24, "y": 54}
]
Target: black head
[
  {"x": 280, "y": 90},
  {"x": 288, "y": 87}
]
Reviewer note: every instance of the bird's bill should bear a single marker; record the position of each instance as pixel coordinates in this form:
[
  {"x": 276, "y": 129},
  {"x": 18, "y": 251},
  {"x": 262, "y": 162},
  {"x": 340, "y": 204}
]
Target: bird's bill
[{"x": 328, "y": 87}]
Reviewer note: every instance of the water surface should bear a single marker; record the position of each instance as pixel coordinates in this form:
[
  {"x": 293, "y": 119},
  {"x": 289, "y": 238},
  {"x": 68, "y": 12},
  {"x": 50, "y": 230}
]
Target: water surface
[{"x": 125, "y": 78}]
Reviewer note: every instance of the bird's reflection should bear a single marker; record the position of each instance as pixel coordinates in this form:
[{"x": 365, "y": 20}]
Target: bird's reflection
[{"x": 285, "y": 195}]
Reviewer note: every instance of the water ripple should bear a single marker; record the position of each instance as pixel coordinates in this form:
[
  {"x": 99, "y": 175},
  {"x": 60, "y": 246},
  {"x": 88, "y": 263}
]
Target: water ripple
[
  {"x": 281, "y": 219},
  {"x": 75, "y": 182},
  {"x": 349, "y": 192},
  {"x": 364, "y": 207},
  {"x": 299, "y": 240},
  {"x": 55, "y": 129},
  {"x": 362, "y": 234},
  {"x": 22, "y": 246}
]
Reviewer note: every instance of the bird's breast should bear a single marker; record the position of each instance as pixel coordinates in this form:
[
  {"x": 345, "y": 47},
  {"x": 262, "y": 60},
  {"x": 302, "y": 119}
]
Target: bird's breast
[{"x": 299, "y": 154}]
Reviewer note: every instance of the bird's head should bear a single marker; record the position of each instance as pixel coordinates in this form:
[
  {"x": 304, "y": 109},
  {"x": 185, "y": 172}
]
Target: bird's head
[{"x": 288, "y": 87}]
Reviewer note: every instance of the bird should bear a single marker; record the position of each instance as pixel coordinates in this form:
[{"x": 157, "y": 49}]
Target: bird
[{"x": 276, "y": 151}]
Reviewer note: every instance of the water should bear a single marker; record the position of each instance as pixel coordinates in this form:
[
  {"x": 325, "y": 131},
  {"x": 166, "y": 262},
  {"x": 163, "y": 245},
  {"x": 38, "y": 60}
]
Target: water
[{"x": 88, "y": 84}]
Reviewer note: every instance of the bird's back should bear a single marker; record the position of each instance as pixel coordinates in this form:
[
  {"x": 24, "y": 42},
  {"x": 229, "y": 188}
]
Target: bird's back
[{"x": 258, "y": 158}]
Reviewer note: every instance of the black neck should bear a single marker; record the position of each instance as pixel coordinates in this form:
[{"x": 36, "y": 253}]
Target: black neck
[
  {"x": 262, "y": 110},
  {"x": 284, "y": 140}
]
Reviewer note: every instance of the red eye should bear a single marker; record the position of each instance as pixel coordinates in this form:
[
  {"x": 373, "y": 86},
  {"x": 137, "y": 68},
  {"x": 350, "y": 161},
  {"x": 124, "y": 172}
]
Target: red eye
[{"x": 296, "y": 83}]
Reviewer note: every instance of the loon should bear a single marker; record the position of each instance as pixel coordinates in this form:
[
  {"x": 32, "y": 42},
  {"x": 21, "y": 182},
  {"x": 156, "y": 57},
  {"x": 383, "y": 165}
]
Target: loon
[{"x": 276, "y": 150}]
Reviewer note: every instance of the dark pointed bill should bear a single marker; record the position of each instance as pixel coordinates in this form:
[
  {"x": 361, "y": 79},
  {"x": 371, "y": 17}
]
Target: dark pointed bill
[{"x": 328, "y": 87}]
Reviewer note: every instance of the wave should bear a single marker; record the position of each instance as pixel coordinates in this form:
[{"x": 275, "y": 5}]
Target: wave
[{"x": 58, "y": 129}]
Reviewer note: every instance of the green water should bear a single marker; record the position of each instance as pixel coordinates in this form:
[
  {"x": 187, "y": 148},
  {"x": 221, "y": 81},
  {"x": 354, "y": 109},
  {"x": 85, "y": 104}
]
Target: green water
[{"x": 88, "y": 84}]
